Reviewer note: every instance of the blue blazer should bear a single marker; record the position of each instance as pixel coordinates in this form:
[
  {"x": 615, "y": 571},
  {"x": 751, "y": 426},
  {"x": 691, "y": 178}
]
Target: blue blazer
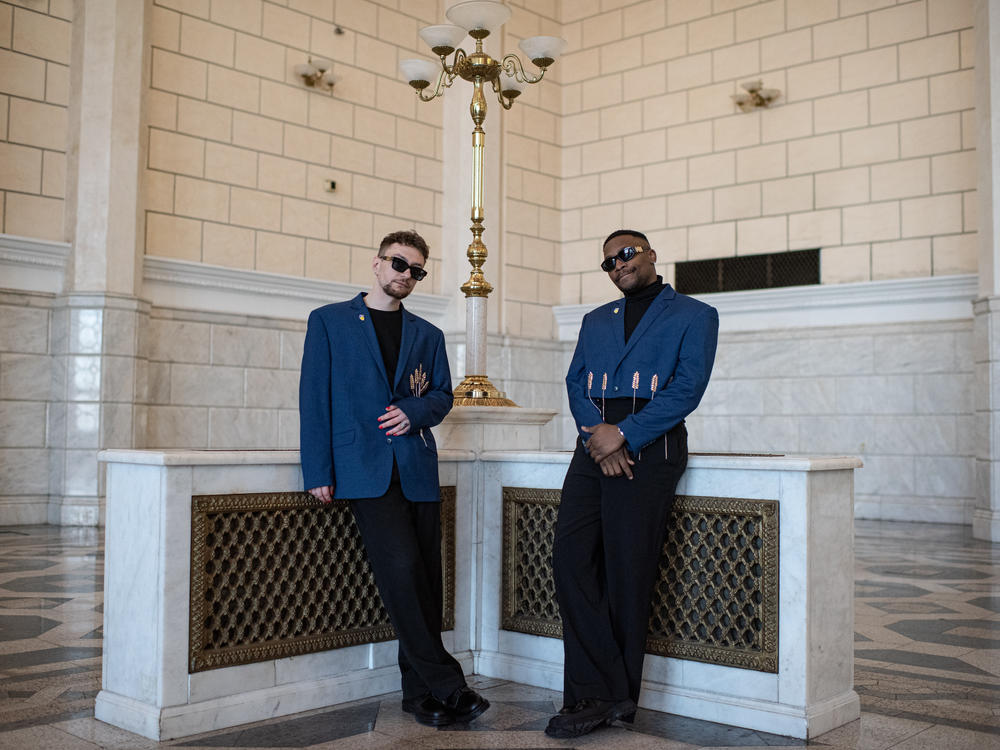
[
  {"x": 343, "y": 390},
  {"x": 675, "y": 341}
]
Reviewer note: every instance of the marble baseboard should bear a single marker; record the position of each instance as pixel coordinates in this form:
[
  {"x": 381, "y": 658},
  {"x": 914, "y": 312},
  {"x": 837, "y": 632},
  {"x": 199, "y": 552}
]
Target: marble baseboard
[
  {"x": 526, "y": 671},
  {"x": 24, "y": 511},
  {"x": 232, "y": 710},
  {"x": 986, "y": 524},
  {"x": 921, "y": 510},
  {"x": 775, "y": 718},
  {"x": 76, "y": 511}
]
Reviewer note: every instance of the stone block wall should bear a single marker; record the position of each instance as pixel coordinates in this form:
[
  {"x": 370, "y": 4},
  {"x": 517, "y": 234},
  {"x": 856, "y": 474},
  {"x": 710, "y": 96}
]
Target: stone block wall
[
  {"x": 34, "y": 97},
  {"x": 868, "y": 154}
]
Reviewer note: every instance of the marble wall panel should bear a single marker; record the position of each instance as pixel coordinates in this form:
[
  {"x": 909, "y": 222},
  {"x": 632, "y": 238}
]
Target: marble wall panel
[
  {"x": 764, "y": 434},
  {"x": 288, "y": 428},
  {"x": 22, "y": 424},
  {"x": 24, "y": 329},
  {"x": 916, "y": 435},
  {"x": 177, "y": 427},
  {"x": 799, "y": 396},
  {"x": 272, "y": 388},
  {"x": 945, "y": 476},
  {"x": 25, "y": 376},
  {"x": 291, "y": 349},
  {"x": 950, "y": 393},
  {"x": 875, "y": 394},
  {"x": 24, "y": 471},
  {"x": 836, "y": 355},
  {"x": 914, "y": 352},
  {"x": 732, "y": 397},
  {"x": 179, "y": 341},
  {"x": 235, "y": 345},
  {"x": 757, "y": 358},
  {"x": 243, "y": 428},
  {"x": 206, "y": 385}
]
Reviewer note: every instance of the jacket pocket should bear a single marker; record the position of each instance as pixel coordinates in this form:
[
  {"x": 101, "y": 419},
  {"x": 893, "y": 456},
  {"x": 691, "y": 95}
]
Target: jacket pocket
[{"x": 342, "y": 438}]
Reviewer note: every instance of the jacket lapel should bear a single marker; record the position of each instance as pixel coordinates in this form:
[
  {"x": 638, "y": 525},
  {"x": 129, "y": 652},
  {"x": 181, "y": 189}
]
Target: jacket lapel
[
  {"x": 405, "y": 345},
  {"x": 656, "y": 308},
  {"x": 363, "y": 319}
]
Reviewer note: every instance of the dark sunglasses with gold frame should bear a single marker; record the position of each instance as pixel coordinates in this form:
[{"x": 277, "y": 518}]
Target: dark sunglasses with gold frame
[
  {"x": 624, "y": 255},
  {"x": 399, "y": 265}
]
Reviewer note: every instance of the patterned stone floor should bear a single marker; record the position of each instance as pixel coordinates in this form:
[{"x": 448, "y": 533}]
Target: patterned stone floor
[{"x": 927, "y": 668}]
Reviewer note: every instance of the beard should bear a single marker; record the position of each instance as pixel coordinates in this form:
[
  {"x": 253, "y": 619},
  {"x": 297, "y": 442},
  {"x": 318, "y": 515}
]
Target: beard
[{"x": 397, "y": 290}]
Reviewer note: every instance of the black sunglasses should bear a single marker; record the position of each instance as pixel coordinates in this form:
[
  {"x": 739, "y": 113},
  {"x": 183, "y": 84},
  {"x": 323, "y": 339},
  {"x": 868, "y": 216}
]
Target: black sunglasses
[
  {"x": 399, "y": 265},
  {"x": 624, "y": 255}
]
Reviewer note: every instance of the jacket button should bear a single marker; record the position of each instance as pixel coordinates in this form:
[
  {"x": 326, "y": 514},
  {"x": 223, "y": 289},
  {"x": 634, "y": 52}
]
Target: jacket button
[
  {"x": 388, "y": 440},
  {"x": 616, "y": 387}
]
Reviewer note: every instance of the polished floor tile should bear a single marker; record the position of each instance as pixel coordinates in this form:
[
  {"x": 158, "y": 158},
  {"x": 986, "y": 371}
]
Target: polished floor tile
[{"x": 927, "y": 664}]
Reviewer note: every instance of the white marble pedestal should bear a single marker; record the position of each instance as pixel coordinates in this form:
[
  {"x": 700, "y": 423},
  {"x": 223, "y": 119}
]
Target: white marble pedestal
[
  {"x": 813, "y": 690},
  {"x": 147, "y": 688}
]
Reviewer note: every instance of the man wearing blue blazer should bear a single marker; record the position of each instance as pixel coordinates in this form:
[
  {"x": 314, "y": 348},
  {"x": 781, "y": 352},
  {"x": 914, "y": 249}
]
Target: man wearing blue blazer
[
  {"x": 375, "y": 379},
  {"x": 641, "y": 366}
]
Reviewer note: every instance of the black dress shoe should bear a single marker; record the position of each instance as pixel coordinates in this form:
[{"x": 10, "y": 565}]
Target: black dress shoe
[
  {"x": 465, "y": 704},
  {"x": 429, "y": 711},
  {"x": 586, "y": 716}
]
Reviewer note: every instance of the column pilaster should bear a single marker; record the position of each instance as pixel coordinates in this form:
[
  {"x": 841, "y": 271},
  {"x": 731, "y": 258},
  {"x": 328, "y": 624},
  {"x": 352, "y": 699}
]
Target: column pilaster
[{"x": 986, "y": 338}]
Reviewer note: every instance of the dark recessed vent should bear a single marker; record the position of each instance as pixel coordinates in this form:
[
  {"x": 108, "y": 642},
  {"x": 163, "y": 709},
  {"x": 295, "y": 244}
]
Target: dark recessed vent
[{"x": 766, "y": 271}]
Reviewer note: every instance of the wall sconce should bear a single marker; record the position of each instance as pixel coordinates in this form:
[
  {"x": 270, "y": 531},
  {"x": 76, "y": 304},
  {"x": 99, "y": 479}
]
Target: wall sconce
[
  {"x": 317, "y": 73},
  {"x": 756, "y": 96}
]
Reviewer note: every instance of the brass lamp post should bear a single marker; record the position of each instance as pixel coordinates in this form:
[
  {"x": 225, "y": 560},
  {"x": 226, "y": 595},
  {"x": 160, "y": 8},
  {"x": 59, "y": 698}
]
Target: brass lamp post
[{"x": 478, "y": 19}]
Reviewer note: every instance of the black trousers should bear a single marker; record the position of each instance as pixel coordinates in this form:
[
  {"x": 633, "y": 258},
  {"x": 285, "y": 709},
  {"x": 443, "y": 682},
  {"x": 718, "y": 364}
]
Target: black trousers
[
  {"x": 608, "y": 540},
  {"x": 403, "y": 542}
]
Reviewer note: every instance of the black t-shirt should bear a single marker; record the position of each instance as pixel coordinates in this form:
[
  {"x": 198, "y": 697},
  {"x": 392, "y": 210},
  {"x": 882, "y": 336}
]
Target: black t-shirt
[{"x": 389, "y": 332}]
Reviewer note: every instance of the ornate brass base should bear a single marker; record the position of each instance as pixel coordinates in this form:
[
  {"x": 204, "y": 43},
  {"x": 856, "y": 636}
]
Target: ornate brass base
[{"x": 477, "y": 390}]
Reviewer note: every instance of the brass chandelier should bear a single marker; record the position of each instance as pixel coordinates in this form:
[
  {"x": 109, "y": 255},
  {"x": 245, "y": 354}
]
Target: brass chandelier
[{"x": 508, "y": 78}]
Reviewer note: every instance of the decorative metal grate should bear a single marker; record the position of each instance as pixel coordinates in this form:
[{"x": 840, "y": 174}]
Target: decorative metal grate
[
  {"x": 716, "y": 599},
  {"x": 733, "y": 274},
  {"x": 280, "y": 574}
]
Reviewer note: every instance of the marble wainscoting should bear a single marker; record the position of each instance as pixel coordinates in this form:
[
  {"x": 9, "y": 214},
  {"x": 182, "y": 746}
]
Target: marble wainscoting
[
  {"x": 148, "y": 688},
  {"x": 812, "y": 690},
  {"x": 146, "y": 684}
]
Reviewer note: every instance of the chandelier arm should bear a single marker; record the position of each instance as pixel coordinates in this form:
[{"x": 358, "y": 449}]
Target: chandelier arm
[
  {"x": 504, "y": 102},
  {"x": 512, "y": 65},
  {"x": 444, "y": 81}
]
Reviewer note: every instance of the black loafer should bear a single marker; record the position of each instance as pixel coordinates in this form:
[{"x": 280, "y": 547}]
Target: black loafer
[
  {"x": 586, "y": 716},
  {"x": 465, "y": 704},
  {"x": 429, "y": 711}
]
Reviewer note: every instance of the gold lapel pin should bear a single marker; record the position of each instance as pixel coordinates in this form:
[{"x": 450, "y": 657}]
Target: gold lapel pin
[
  {"x": 361, "y": 317},
  {"x": 615, "y": 311}
]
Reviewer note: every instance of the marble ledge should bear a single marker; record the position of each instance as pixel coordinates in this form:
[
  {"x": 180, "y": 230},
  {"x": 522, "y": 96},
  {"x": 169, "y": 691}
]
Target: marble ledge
[
  {"x": 184, "y": 457},
  {"x": 788, "y": 462},
  {"x": 498, "y": 415}
]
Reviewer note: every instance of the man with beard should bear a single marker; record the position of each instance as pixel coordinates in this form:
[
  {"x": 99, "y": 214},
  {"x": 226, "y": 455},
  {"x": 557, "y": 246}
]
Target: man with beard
[
  {"x": 641, "y": 366},
  {"x": 374, "y": 380}
]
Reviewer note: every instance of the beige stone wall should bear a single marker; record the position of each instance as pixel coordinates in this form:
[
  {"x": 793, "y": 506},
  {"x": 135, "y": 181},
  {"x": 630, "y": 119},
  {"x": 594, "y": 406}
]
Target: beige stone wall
[
  {"x": 869, "y": 153},
  {"x": 239, "y": 147},
  {"x": 532, "y": 164},
  {"x": 34, "y": 96}
]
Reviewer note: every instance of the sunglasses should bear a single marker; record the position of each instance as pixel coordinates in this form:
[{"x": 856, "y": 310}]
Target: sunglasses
[
  {"x": 624, "y": 255},
  {"x": 399, "y": 265}
]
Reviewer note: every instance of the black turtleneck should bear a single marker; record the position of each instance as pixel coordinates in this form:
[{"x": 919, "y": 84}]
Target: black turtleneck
[{"x": 637, "y": 302}]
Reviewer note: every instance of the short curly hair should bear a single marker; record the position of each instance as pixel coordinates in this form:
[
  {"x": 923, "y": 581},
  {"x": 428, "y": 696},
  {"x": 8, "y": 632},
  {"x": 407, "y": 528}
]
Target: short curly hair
[
  {"x": 407, "y": 238},
  {"x": 629, "y": 232}
]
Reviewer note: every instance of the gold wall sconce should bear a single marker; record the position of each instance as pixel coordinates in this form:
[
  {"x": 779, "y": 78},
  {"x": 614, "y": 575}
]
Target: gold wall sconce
[
  {"x": 756, "y": 96},
  {"x": 317, "y": 73}
]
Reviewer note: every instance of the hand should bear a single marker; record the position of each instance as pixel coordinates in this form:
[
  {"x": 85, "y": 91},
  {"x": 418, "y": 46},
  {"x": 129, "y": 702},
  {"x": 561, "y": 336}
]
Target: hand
[
  {"x": 322, "y": 493},
  {"x": 394, "y": 421},
  {"x": 618, "y": 464},
  {"x": 604, "y": 440}
]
